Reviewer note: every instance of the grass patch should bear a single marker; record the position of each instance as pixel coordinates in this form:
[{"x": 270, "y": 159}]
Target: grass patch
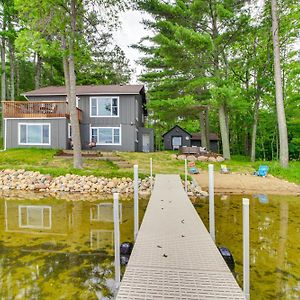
[{"x": 43, "y": 160}]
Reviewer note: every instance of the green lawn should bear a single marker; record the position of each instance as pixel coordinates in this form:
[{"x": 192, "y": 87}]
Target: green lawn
[{"x": 43, "y": 161}]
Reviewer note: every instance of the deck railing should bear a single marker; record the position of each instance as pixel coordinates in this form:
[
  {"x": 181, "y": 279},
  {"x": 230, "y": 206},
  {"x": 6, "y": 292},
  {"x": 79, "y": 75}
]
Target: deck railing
[{"x": 37, "y": 109}]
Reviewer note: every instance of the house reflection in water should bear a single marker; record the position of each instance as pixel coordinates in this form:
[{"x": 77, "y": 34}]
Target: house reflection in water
[
  {"x": 77, "y": 224},
  {"x": 60, "y": 248}
]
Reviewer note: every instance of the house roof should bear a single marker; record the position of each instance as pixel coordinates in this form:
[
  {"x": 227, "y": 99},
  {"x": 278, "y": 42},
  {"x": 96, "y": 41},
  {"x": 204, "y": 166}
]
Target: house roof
[
  {"x": 197, "y": 136},
  {"x": 89, "y": 90},
  {"x": 177, "y": 126}
]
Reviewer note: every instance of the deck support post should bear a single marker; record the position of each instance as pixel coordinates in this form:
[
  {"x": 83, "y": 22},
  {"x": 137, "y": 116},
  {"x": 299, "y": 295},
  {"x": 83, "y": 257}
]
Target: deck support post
[
  {"x": 211, "y": 202},
  {"x": 117, "y": 240},
  {"x": 136, "y": 199},
  {"x": 246, "y": 263},
  {"x": 151, "y": 174},
  {"x": 185, "y": 176}
]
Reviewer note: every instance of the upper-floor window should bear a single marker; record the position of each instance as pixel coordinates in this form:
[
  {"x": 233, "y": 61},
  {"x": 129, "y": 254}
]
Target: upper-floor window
[
  {"x": 136, "y": 110},
  {"x": 104, "y": 106},
  {"x": 34, "y": 134}
]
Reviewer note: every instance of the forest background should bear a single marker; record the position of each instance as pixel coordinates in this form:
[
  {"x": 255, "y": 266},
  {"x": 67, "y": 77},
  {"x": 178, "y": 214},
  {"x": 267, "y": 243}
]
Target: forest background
[{"x": 212, "y": 54}]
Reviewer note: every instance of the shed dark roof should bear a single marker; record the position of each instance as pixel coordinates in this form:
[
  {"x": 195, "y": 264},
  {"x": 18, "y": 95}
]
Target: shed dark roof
[
  {"x": 177, "y": 126},
  {"x": 88, "y": 90},
  {"x": 197, "y": 136}
]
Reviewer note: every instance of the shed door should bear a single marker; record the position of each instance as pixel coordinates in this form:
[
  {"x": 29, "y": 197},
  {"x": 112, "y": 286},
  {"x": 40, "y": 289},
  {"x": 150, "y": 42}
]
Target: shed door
[
  {"x": 176, "y": 142},
  {"x": 146, "y": 143}
]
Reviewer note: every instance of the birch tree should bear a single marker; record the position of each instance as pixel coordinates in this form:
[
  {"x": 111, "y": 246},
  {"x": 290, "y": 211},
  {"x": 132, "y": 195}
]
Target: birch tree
[{"x": 282, "y": 128}]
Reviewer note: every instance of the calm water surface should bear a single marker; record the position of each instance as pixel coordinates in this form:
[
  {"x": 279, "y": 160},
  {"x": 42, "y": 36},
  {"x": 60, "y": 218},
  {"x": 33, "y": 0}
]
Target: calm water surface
[
  {"x": 274, "y": 240},
  {"x": 56, "y": 249}
]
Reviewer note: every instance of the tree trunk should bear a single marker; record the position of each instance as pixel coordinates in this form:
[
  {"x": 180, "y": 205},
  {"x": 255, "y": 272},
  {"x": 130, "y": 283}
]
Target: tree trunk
[
  {"x": 12, "y": 69},
  {"x": 282, "y": 128},
  {"x": 17, "y": 78},
  {"x": 203, "y": 129},
  {"x": 254, "y": 128},
  {"x": 38, "y": 71},
  {"x": 224, "y": 132},
  {"x": 3, "y": 70},
  {"x": 72, "y": 100},
  {"x": 207, "y": 128}
]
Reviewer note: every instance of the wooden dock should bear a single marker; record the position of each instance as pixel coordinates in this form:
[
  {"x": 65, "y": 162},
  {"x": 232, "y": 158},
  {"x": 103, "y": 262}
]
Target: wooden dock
[{"x": 174, "y": 256}]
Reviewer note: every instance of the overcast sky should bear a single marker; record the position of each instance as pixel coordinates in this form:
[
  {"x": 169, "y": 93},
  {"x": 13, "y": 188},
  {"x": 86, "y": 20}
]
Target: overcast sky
[{"x": 130, "y": 32}]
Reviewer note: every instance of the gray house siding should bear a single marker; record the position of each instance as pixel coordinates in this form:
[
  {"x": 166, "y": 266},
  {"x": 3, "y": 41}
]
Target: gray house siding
[
  {"x": 58, "y": 132},
  {"x": 126, "y": 120},
  {"x": 176, "y": 132},
  {"x": 129, "y": 120},
  {"x": 145, "y": 131}
]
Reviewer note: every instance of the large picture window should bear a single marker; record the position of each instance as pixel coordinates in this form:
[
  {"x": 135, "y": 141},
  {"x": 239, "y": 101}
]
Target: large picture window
[
  {"x": 104, "y": 106},
  {"x": 34, "y": 134},
  {"x": 35, "y": 216},
  {"x": 106, "y": 135}
]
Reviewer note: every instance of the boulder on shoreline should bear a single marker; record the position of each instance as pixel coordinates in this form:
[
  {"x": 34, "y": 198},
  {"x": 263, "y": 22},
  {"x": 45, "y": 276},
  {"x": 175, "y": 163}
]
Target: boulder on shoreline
[{"x": 70, "y": 183}]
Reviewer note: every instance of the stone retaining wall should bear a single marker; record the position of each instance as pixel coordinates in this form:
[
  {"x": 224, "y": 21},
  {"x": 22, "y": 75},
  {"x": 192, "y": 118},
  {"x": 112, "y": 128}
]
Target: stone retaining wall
[{"x": 35, "y": 181}]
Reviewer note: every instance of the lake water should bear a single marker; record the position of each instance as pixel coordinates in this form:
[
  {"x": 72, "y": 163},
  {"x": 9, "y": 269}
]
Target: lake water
[
  {"x": 57, "y": 249},
  {"x": 274, "y": 241}
]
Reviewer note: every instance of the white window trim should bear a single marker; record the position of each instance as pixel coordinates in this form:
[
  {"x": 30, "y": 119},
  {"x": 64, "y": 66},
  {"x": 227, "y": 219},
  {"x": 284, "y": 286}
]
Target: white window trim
[
  {"x": 111, "y": 116},
  {"x": 137, "y": 135},
  {"x": 107, "y": 144},
  {"x": 32, "y": 226},
  {"x": 33, "y": 144},
  {"x": 99, "y": 218},
  {"x": 69, "y": 131},
  {"x": 136, "y": 109}
]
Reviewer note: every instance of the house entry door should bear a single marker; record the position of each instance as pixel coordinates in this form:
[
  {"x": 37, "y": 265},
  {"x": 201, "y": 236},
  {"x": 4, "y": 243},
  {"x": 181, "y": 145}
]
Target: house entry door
[{"x": 146, "y": 143}]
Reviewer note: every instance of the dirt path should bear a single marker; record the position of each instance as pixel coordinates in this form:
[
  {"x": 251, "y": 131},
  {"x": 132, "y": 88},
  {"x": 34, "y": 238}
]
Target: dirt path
[{"x": 248, "y": 184}]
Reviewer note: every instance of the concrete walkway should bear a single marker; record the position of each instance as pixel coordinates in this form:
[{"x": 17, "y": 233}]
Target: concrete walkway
[{"x": 174, "y": 256}]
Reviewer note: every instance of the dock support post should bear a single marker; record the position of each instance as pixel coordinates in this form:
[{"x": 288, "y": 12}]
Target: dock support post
[
  {"x": 211, "y": 202},
  {"x": 136, "y": 200},
  {"x": 117, "y": 240},
  {"x": 151, "y": 174},
  {"x": 246, "y": 264},
  {"x": 185, "y": 176}
]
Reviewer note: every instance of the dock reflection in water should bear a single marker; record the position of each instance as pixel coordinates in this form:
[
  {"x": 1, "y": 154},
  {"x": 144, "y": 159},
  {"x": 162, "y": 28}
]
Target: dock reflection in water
[
  {"x": 60, "y": 249},
  {"x": 274, "y": 241}
]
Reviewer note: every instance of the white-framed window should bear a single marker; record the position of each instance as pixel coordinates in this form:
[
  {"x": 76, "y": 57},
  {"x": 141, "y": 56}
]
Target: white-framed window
[
  {"x": 35, "y": 216},
  {"x": 136, "y": 109},
  {"x": 136, "y": 135},
  {"x": 69, "y": 131},
  {"x": 103, "y": 212},
  {"x": 104, "y": 106},
  {"x": 106, "y": 135},
  {"x": 101, "y": 238},
  {"x": 34, "y": 133}
]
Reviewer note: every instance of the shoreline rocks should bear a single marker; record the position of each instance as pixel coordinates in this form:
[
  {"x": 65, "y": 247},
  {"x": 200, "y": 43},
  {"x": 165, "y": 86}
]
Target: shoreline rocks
[{"x": 23, "y": 180}]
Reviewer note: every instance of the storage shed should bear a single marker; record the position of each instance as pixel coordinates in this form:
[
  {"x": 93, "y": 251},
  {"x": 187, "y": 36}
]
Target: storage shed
[
  {"x": 176, "y": 137},
  {"x": 213, "y": 141}
]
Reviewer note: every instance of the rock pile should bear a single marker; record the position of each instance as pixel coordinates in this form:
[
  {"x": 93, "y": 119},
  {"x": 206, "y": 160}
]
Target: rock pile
[
  {"x": 199, "y": 158},
  {"x": 35, "y": 181}
]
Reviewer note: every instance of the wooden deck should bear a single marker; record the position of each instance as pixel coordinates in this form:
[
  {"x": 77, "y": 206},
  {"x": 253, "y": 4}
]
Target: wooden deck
[
  {"x": 174, "y": 256},
  {"x": 37, "y": 109}
]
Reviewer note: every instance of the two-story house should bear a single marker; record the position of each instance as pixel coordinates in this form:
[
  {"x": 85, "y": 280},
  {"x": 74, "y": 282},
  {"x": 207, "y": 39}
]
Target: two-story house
[{"x": 111, "y": 117}]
